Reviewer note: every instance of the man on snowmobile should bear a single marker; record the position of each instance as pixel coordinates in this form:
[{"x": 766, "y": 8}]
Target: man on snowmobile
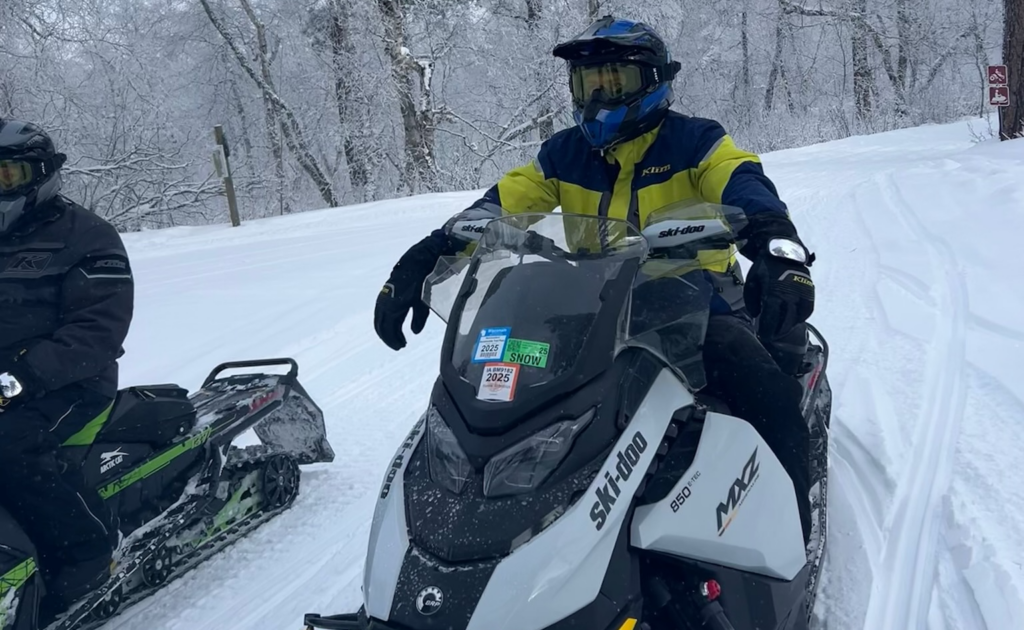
[
  {"x": 627, "y": 156},
  {"x": 66, "y": 302}
]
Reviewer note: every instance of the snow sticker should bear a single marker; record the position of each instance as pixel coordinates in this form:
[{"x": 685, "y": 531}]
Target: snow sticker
[
  {"x": 530, "y": 353},
  {"x": 490, "y": 345},
  {"x": 498, "y": 382}
]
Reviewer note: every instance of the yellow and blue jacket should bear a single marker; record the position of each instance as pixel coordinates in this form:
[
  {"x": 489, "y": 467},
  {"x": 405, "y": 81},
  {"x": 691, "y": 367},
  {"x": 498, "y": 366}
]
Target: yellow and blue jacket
[{"x": 683, "y": 158}]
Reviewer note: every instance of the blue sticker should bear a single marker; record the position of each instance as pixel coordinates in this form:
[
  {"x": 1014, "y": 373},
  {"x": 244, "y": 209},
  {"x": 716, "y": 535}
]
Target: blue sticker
[{"x": 490, "y": 345}]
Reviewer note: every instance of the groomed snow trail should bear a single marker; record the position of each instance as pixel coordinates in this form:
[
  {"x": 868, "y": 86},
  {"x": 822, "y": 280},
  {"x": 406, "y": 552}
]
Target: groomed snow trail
[
  {"x": 918, "y": 295},
  {"x": 902, "y": 590}
]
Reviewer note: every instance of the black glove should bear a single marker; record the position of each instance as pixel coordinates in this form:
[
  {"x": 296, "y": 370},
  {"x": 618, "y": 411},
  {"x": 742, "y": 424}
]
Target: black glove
[
  {"x": 780, "y": 292},
  {"x": 404, "y": 289}
]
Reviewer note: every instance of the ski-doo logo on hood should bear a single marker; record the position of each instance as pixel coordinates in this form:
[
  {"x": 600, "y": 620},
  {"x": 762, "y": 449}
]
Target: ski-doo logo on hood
[
  {"x": 738, "y": 493},
  {"x": 608, "y": 494}
]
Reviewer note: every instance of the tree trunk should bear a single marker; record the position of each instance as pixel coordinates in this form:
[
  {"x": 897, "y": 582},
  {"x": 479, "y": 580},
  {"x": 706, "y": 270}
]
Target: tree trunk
[
  {"x": 981, "y": 61},
  {"x": 419, "y": 152},
  {"x": 1012, "y": 117},
  {"x": 778, "y": 71},
  {"x": 904, "y": 30},
  {"x": 863, "y": 77},
  {"x": 236, "y": 96},
  {"x": 272, "y": 120},
  {"x": 342, "y": 51},
  {"x": 546, "y": 128},
  {"x": 744, "y": 87}
]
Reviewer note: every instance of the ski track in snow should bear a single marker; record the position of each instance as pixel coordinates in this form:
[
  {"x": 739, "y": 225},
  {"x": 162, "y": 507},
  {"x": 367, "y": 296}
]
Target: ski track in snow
[
  {"x": 902, "y": 590},
  {"x": 924, "y": 423}
]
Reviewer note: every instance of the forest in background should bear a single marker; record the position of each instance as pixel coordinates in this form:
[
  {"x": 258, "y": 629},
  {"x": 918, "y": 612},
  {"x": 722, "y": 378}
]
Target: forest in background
[{"x": 332, "y": 102}]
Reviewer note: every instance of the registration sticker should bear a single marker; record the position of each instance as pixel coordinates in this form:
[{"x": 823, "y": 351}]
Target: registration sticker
[
  {"x": 498, "y": 382},
  {"x": 530, "y": 353},
  {"x": 490, "y": 345}
]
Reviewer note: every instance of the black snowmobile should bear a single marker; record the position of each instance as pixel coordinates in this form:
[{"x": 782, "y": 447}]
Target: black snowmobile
[
  {"x": 165, "y": 464},
  {"x": 569, "y": 472}
]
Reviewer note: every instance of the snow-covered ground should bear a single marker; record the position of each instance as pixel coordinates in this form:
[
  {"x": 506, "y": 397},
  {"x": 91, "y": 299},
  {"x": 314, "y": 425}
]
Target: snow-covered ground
[{"x": 919, "y": 293}]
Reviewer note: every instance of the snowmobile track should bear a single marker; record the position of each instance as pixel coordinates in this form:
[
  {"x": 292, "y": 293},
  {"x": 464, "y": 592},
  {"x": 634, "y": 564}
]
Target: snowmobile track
[
  {"x": 864, "y": 484},
  {"x": 904, "y": 580}
]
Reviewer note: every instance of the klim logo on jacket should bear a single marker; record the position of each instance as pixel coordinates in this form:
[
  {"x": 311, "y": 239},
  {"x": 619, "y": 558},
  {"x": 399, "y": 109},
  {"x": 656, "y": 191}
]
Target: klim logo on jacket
[{"x": 654, "y": 170}]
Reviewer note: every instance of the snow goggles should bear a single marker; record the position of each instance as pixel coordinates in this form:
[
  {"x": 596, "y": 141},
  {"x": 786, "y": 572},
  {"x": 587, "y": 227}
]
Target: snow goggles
[
  {"x": 614, "y": 82},
  {"x": 15, "y": 174}
]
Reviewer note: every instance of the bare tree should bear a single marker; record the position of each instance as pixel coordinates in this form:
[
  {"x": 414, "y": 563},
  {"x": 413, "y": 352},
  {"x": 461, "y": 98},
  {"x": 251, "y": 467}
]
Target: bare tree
[
  {"x": 341, "y": 48},
  {"x": 289, "y": 125},
  {"x": 419, "y": 117},
  {"x": 352, "y": 100},
  {"x": 534, "y": 9}
]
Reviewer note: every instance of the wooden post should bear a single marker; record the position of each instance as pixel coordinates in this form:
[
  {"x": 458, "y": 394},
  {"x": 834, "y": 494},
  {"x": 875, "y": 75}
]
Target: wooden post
[{"x": 229, "y": 185}]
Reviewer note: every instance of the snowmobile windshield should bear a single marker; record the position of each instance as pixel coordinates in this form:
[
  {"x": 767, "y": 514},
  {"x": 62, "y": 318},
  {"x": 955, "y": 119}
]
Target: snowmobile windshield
[
  {"x": 527, "y": 301},
  {"x": 525, "y": 306},
  {"x": 691, "y": 244}
]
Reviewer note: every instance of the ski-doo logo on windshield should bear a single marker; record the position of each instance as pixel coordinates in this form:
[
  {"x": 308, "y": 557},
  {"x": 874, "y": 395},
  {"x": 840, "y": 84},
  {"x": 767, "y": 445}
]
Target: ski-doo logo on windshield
[
  {"x": 608, "y": 494},
  {"x": 479, "y": 229},
  {"x": 677, "y": 231},
  {"x": 738, "y": 493},
  {"x": 396, "y": 464}
]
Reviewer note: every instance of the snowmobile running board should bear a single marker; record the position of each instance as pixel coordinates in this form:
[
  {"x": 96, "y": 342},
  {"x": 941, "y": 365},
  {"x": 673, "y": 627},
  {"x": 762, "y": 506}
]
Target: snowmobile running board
[{"x": 348, "y": 621}]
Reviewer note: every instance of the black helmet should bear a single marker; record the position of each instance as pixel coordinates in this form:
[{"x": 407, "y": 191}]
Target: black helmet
[
  {"x": 620, "y": 75},
  {"x": 29, "y": 170}
]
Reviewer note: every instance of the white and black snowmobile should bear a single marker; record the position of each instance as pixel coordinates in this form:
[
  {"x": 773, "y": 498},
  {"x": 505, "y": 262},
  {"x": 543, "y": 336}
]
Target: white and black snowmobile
[
  {"x": 164, "y": 462},
  {"x": 569, "y": 472}
]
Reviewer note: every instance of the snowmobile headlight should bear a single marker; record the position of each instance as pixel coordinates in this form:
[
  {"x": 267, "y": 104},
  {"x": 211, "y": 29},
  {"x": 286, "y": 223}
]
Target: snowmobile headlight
[
  {"x": 448, "y": 464},
  {"x": 524, "y": 466}
]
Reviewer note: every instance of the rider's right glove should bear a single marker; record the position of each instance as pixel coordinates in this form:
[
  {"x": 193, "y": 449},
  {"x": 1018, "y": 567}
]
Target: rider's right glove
[
  {"x": 779, "y": 290},
  {"x": 403, "y": 291}
]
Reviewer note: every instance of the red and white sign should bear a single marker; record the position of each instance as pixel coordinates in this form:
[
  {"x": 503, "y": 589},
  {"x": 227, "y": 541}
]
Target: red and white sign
[
  {"x": 997, "y": 75},
  {"x": 999, "y": 96}
]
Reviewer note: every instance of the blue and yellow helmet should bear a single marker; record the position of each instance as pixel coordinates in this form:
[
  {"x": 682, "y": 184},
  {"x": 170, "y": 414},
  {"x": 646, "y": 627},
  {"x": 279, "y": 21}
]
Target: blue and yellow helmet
[{"x": 620, "y": 75}]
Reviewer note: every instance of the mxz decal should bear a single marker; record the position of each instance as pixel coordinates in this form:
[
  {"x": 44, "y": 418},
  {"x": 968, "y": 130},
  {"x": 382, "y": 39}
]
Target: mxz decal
[
  {"x": 738, "y": 493},
  {"x": 396, "y": 464},
  {"x": 609, "y": 493}
]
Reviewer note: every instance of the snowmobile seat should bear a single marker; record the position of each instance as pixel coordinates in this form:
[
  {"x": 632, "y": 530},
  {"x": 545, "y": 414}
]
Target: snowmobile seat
[{"x": 149, "y": 414}]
